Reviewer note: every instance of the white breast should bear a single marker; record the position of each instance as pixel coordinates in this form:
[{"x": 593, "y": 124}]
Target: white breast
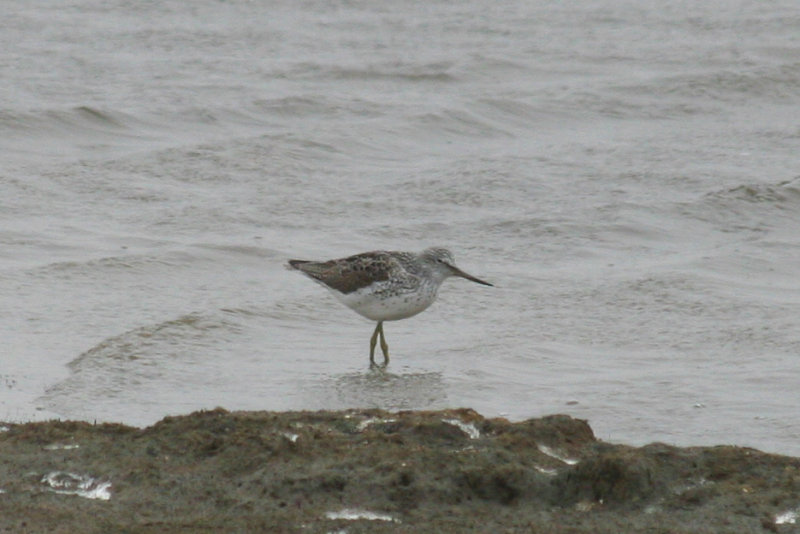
[{"x": 379, "y": 305}]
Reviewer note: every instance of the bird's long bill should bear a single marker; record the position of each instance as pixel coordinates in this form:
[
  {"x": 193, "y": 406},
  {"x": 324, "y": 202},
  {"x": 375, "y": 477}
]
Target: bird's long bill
[{"x": 462, "y": 274}]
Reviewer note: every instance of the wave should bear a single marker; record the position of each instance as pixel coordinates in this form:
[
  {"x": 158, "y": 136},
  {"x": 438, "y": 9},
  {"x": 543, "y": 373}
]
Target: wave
[
  {"x": 691, "y": 93},
  {"x": 88, "y": 131},
  {"x": 432, "y": 72},
  {"x": 93, "y": 267},
  {"x": 782, "y": 195},
  {"x": 774, "y": 83},
  {"x": 667, "y": 96},
  {"x": 187, "y": 330},
  {"x": 139, "y": 356},
  {"x": 82, "y": 131},
  {"x": 752, "y": 206},
  {"x": 458, "y": 122},
  {"x": 77, "y": 120}
]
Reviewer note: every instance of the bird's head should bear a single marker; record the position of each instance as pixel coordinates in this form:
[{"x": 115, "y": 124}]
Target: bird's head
[{"x": 441, "y": 262}]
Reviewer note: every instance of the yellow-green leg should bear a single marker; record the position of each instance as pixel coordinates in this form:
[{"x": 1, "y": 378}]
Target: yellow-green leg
[
  {"x": 373, "y": 341},
  {"x": 384, "y": 345}
]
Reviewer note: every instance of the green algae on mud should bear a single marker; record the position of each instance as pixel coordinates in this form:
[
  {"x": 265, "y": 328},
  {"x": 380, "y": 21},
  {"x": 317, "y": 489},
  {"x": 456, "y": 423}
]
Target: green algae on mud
[{"x": 377, "y": 471}]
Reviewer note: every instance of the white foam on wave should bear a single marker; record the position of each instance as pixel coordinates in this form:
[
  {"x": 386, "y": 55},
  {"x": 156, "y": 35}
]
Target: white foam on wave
[
  {"x": 353, "y": 514},
  {"x": 290, "y": 436},
  {"x": 786, "y": 518},
  {"x": 372, "y": 421},
  {"x": 468, "y": 428},
  {"x": 558, "y": 456},
  {"x": 61, "y": 446},
  {"x": 549, "y": 471},
  {"x": 66, "y": 483}
]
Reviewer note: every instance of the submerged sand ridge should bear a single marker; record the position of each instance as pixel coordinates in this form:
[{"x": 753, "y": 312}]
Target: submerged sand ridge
[{"x": 377, "y": 471}]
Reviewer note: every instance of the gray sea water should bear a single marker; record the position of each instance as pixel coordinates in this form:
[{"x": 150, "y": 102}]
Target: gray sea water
[{"x": 626, "y": 173}]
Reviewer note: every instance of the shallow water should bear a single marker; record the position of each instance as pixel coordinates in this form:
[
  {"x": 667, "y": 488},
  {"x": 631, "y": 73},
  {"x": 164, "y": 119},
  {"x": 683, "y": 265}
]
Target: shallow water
[{"x": 624, "y": 172}]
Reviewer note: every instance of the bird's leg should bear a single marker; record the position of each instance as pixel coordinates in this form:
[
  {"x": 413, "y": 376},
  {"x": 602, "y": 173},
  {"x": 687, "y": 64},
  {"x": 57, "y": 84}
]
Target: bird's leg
[
  {"x": 384, "y": 345},
  {"x": 373, "y": 340}
]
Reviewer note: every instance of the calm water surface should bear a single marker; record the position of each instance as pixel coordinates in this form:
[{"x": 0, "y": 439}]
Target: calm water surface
[{"x": 625, "y": 172}]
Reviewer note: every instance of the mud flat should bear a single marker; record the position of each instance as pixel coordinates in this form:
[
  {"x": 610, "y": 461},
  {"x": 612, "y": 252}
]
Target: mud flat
[{"x": 374, "y": 471}]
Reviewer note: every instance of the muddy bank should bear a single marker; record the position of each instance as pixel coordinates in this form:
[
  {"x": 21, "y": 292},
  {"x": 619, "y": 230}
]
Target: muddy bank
[{"x": 374, "y": 471}]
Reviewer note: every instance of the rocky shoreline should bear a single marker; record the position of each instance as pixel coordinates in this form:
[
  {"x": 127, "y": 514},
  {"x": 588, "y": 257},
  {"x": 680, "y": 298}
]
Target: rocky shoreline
[{"x": 375, "y": 471}]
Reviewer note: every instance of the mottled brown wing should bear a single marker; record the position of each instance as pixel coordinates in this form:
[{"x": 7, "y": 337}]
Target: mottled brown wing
[{"x": 349, "y": 274}]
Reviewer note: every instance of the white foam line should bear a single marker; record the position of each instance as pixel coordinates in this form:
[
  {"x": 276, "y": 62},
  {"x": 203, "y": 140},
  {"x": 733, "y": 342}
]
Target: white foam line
[
  {"x": 100, "y": 492},
  {"x": 371, "y": 421},
  {"x": 786, "y": 518},
  {"x": 65, "y": 483},
  {"x": 291, "y": 437},
  {"x": 467, "y": 428},
  {"x": 553, "y": 454},
  {"x": 352, "y": 514},
  {"x": 61, "y": 446},
  {"x": 549, "y": 471}
]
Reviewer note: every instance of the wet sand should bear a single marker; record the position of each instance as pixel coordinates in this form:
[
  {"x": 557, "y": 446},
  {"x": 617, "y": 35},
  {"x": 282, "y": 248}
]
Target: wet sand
[{"x": 374, "y": 471}]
